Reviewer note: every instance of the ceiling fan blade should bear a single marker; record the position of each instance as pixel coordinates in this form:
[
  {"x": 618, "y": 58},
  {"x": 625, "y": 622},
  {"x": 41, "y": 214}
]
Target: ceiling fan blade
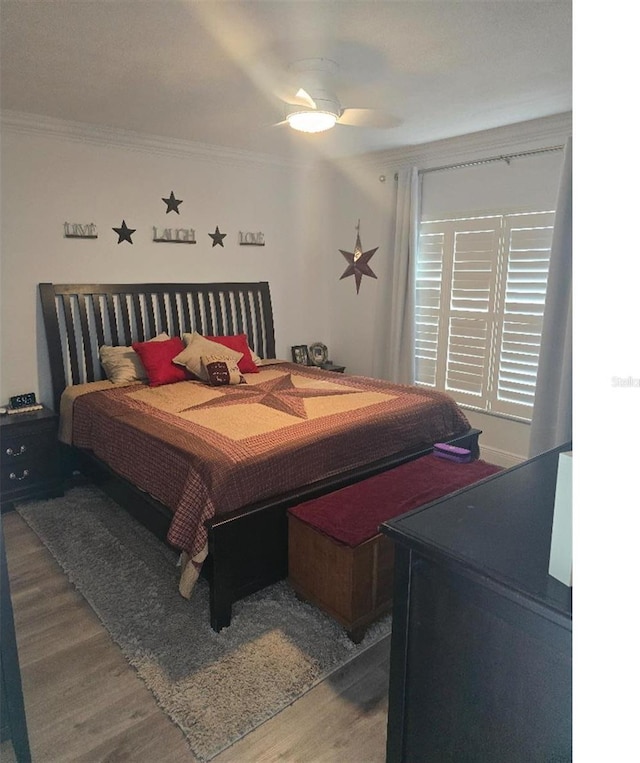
[
  {"x": 305, "y": 99},
  {"x": 355, "y": 117},
  {"x": 299, "y": 98}
]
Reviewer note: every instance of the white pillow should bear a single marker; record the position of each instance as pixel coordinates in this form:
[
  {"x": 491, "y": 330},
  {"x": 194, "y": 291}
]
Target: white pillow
[{"x": 122, "y": 364}]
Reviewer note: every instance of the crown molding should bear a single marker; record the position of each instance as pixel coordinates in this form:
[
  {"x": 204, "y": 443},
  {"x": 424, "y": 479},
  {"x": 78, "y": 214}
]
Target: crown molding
[
  {"x": 521, "y": 136},
  {"x": 112, "y": 137}
]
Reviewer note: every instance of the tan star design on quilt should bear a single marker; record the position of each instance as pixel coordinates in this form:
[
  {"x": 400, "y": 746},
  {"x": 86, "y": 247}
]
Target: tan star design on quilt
[{"x": 280, "y": 394}]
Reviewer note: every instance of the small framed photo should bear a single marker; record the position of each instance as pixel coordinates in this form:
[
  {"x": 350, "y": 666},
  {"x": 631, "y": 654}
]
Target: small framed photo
[
  {"x": 300, "y": 354},
  {"x": 318, "y": 354}
]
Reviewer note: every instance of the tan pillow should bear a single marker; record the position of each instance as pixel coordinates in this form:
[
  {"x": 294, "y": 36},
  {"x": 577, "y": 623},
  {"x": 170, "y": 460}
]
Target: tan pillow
[
  {"x": 198, "y": 348},
  {"x": 122, "y": 364},
  {"x": 222, "y": 372}
]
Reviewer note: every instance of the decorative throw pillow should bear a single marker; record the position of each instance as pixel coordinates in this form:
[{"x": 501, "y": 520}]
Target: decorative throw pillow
[
  {"x": 239, "y": 342},
  {"x": 222, "y": 372},
  {"x": 198, "y": 348},
  {"x": 156, "y": 357},
  {"x": 121, "y": 363}
]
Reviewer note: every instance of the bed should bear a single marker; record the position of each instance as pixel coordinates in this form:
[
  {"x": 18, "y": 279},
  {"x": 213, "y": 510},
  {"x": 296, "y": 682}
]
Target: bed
[{"x": 215, "y": 492}]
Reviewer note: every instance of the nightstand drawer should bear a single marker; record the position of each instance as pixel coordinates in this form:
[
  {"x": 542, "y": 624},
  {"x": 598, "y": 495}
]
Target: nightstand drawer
[
  {"x": 24, "y": 450},
  {"x": 25, "y": 475}
]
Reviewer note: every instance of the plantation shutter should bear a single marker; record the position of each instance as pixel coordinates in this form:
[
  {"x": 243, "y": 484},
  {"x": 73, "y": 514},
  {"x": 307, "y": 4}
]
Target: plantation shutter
[
  {"x": 480, "y": 292},
  {"x": 528, "y": 248},
  {"x": 429, "y": 273},
  {"x": 471, "y": 308}
]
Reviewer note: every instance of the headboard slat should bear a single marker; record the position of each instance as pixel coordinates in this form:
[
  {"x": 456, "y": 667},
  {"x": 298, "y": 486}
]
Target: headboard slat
[
  {"x": 208, "y": 317},
  {"x": 250, "y": 318},
  {"x": 137, "y": 312},
  {"x": 162, "y": 307},
  {"x": 97, "y": 318},
  {"x": 175, "y": 316},
  {"x": 228, "y": 313},
  {"x": 111, "y": 313},
  {"x": 86, "y": 341},
  {"x": 72, "y": 344},
  {"x": 217, "y": 305},
  {"x": 197, "y": 314},
  {"x": 123, "y": 310},
  {"x": 79, "y": 318},
  {"x": 149, "y": 310}
]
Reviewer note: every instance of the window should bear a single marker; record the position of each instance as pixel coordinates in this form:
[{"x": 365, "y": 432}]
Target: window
[{"x": 480, "y": 291}]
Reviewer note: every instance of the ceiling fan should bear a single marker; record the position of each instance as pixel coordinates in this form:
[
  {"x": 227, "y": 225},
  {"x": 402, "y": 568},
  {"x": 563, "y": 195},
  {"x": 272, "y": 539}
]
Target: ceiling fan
[{"x": 313, "y": 106}]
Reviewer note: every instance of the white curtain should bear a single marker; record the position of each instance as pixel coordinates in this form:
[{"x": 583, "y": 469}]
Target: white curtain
[
  {"x": 399, "y": 357},
  {"x": 551, "y": 421}
]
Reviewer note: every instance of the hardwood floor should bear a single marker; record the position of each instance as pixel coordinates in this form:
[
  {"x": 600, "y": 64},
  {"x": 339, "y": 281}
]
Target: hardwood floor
[{"x": 84, "y": 702}]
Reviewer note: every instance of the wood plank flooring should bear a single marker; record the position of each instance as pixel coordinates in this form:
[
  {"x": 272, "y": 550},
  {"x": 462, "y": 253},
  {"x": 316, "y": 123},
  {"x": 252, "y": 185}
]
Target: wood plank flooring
[{"x": 84, "y": 702}]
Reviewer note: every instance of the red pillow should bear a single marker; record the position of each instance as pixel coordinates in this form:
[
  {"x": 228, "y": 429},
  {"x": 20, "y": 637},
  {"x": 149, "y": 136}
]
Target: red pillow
[
  {"x": 238, "y": 342},
  {"x": 156, "y": 358}
]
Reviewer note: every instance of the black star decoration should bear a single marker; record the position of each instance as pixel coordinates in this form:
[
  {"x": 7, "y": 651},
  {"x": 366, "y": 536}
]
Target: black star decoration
[
  {"x": 172, "y": 203},
  {"x": 217, "y": 237},
  {"x": 280, "y": 394},
  {"x": 124, "y": 233},
  {"x": 358, "y": 262}
]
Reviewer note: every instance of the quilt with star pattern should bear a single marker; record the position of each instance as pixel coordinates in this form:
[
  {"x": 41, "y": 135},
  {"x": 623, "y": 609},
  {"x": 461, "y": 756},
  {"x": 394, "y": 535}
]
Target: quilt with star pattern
[{"x": 204, "y": 451}]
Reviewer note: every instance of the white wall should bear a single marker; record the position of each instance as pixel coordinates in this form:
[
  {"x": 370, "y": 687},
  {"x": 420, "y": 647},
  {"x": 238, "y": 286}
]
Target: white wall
[
  {"x": 354, "y": 325},
  {"x": 52, "y": 176},
  {"x": 49, "y": 179}
]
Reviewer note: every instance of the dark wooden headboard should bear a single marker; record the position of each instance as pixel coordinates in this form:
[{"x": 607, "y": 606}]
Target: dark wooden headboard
[{"x": 79, "y": 318}]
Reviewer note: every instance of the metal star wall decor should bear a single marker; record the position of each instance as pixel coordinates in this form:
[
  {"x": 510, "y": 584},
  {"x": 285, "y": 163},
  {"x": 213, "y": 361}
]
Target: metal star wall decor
[
  {"x": 217, "y": 237},
  {"x": 124, "y": 233},
  {"x": 172, "y": 203},
  {"x": 358, "y": 261}
]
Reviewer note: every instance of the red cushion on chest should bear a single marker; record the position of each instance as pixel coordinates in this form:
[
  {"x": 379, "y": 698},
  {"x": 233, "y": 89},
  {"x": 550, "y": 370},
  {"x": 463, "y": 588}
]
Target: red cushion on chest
[{"x": 353, "y": 514}]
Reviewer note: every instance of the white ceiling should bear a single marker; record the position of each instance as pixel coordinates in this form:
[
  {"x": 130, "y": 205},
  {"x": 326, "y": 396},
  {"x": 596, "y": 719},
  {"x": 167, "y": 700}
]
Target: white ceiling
[{"x": 207, "y": 71}]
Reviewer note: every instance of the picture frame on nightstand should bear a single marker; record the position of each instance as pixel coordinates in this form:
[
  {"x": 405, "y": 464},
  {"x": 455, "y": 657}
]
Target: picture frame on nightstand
[
  {"x": 300, "y": 354},
  {"x": 318, "y": 354}
]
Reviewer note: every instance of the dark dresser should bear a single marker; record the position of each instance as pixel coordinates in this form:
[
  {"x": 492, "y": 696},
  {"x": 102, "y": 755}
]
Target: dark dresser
[{"x": 481, "y": 641}]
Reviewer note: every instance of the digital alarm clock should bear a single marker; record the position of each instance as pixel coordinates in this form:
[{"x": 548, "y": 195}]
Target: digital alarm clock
[{"x": 23, "y": 400}]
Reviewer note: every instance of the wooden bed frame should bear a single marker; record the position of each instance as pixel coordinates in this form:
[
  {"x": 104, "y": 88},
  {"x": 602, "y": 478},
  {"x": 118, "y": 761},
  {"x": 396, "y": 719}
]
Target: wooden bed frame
[{"x": 248, "y": 548}]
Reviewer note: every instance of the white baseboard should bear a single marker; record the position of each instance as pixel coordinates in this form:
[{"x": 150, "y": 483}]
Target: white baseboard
[{"x": 500, "y": 457}]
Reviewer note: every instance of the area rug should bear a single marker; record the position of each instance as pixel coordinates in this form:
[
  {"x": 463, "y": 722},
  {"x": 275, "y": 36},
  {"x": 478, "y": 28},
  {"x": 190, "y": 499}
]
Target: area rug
[{"x": 216, "y": 687}]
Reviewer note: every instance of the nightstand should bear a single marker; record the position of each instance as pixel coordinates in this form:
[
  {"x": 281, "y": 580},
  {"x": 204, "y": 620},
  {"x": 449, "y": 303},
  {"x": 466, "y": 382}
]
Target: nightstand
[
  {"x": 29, "y": 457},
  {"x": 329, "y": 366}
]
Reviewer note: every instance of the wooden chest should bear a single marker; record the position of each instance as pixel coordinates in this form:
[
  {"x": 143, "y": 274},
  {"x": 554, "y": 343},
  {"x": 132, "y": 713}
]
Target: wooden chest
[
  {"x": 352, "y": 585},
  {"x": 337, "y": 558}
]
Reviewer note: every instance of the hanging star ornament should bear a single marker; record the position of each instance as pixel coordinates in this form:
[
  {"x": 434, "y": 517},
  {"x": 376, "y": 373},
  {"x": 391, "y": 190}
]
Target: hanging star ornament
[
  {"x": 172, "y": 203},
  {"x": 217, "y": 237},
  {"x": 124, "y": 233},
  {"x": 358, "y": 261}
]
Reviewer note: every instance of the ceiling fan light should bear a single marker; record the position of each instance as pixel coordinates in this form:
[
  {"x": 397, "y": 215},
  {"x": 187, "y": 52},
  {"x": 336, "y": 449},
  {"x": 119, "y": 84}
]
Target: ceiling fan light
[{"x": 311, "y": 121}]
